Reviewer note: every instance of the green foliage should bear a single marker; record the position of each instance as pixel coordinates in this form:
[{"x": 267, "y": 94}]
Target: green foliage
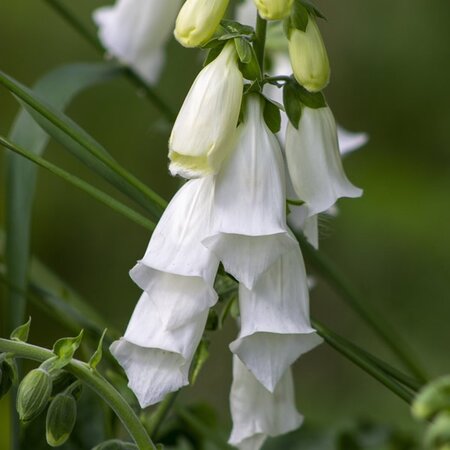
[{"x": 21, "y": 332}]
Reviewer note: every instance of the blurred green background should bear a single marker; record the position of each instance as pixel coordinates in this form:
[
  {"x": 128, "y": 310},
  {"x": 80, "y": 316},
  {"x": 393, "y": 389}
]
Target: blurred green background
[{"x": 390, "y": 73}]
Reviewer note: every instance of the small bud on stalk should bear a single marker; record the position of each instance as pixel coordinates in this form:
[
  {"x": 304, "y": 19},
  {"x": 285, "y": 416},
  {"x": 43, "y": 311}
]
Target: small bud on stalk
[
  {"x": 273, "y": 9},
  {"x": 309, "y": 57},
  {"x": 61, "y": 418},
  {"x": 198, "y": 20},
  {"x": 437, "y": 436},
  {"x": 432, "y": 399},
  {"x": 33, "y": 394}
]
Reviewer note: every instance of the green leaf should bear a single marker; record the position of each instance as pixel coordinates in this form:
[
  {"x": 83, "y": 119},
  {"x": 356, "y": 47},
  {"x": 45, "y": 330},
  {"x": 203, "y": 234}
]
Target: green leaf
[
  {"x": 212, "y": 54},
  {"x": 299, "y": 16},
  {"x": 272, "y": 116},
  {"x": 251, "y": 70},
  {"x": 21, "y": 333},
  {"x": 84, "y": 147},
  {"x": 292, "y": 105},
  {"x": 97, "y": 356},
  {"x": 243, "y": 49},
  {"x": 59, "y": 87},
  {"x": 64, "y": 350}
]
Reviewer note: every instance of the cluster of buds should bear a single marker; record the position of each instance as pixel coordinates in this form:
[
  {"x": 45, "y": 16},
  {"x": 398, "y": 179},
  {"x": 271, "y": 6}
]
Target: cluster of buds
[{"x": 234, "y": 209}]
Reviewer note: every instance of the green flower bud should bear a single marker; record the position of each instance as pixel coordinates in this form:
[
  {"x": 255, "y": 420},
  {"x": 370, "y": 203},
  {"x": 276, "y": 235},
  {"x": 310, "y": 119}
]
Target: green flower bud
[
  {"x": 309, "y": 58},
  {"x": 432, "y": 399},
  {"x": 61, "y": 418},
  {"x": 273, "y": 9},
  {"x": 437, "y": 436},
  {"x": 115, "y": 444},
  {"x": 33, "y": 394}
]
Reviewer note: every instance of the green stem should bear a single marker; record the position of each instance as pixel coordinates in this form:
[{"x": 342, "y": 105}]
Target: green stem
[
  {"x": 260, "y": 40},
  {"x": 378, "y": 324},
  {"x": 157, "y": 418},
  {"x": 80, "y": 184},
  {"x": 93, "y": 380},
  {"x": 130, "y": 74},
  {"x": 365, "y": 364}
]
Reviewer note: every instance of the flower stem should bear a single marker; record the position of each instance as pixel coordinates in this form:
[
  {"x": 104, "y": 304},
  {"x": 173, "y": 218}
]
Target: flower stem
[
  {"x": 378, "y": 324},
  {"x": 93, "y": 380},
  {"x": 365, "y": 364},
  {"x": 132, "y": 76},
  {"x": 157, "y": 418},
  {"x": 260, "y": 40}
]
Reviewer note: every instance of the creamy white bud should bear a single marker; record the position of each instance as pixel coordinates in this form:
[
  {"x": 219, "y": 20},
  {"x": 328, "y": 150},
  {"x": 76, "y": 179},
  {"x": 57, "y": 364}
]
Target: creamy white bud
[
  {"x": 314, "y": 161},
  {"x": 204, "y": 131},
  {"x": 274, "y": 9},
  {"x": 198, "y": 20},
  {"x": 135, "y": 31},
  {"x": 309, "y": 57}
]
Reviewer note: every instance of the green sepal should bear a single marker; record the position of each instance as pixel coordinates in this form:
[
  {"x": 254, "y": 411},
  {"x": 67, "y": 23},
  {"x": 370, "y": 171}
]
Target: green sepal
[
  {"x": 243, "y": 49},
  {"x": 33, "y": 394},
  {"x": 60, "y": 420},
  {"x": 213, "y": 53},
  {"x": 294, "y": 202},
  {"x": 229, "y": 29},
  {"x": 299, "y": 16},
  {"x": 65, "y": 348},
  {"x": 212, "y": 322},
  {"x": 296, "y": 96},
  {"x": 115, "y": 444},
  {"x": 98, "y": 354},
  {"x": 20, "y": 334},
  {"x": 251, "y": 70},
  {"x": 312, "y": 9},
  {"x": 272, "y": 115},
  {"x": 200, "y": 357}
]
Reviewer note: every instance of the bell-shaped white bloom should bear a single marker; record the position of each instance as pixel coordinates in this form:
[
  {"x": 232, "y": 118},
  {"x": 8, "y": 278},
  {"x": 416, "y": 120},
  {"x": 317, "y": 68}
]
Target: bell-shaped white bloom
[
  {"x": 314, "y": 162},
  {"x": 298, "y": 219},
  {"x": 309, "y": 57},
  {"x": 156, "y": 360},
  {"x": 349, "y": 141},
  {"x": 249, "y": 209},
  {"x": 198, "y": 20},
  {"x": 258, "y": 413},
  {"x": 135, "y": 31},
  {"x": 274, "y": 9},
  {"x": 203, "y": 133},
  {"x": 177, "y": 271},
  {"x": 275, "y": 324}
]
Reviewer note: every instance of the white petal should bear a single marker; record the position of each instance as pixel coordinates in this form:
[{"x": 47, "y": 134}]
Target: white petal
[
  {"x": 135, "y": 32},
  {"x": 258, "y": 413},
  {"x": 275, "y": 326},
  {"x": 203, "y": 133},
  {"x": 155, "y": 360},
  {"x": 298, "y": 219},
  {"x": 249, "y": 224},
  {"x": 314, "y": 161},
  {"x": 349, "y": 141},
  {"x": 177, "y": 271}
]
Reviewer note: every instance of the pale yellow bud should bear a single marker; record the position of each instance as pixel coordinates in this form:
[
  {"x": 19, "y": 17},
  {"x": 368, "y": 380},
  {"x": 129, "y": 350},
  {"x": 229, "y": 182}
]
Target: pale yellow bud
[
  {"x": 198, "y": 20},
  {"x": 274, "y": 9},
  {"x": 309, "y": 57}
]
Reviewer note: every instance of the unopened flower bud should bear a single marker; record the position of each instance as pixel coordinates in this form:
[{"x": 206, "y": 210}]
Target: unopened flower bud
[
  {"x": 309, "y": 57},
  {"x": 432, "y": 399},
  {"x": 61, "y": 418},
  {"x": 437, "y": 436},
  {"x": 202, "y": 135},
  {"x": 198, "y": 20},
  {"x": 33, "y": 394},
  {"x": 274, "y": 9}
]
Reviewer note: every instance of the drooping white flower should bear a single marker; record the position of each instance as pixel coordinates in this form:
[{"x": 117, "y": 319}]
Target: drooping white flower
[
  {"x": 198, "y": 20},
  {"x": 309, "y": 57},
  {"x": 314, "y": 162},
  {"x": 258, "y": 413},
  {"x": 275, "y": 324},
  {"x": 249, "y": 224},
  {"x": 350, "y": 141},
  {"x": 135, "y": 31},
  {"x": 274, "y": 9},
  {"x": 177, "y": 271},
  {"x": 203, "y": 133},
  {"x": 156, "y": 360}
]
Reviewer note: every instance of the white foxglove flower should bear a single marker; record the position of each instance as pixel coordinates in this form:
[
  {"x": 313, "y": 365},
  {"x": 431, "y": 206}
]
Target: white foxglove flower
[
  {"x": 177, "y": 271},
  {"x": 274, "y": 9},
  {"x": 349, "y": 141},
  {"x": 156, "y": 360},
  {"x": 309, "y": 57},
  {"x": 314, "y": 162},
  {"x": 198, "y": 20},
  {"x": 249, "y": 209},
  {"x": 258, "y": 413},
  {"x": 275, "y": 324},
  {"x": 135, "y": 31},
  {"x": 203, "y": 133}
]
